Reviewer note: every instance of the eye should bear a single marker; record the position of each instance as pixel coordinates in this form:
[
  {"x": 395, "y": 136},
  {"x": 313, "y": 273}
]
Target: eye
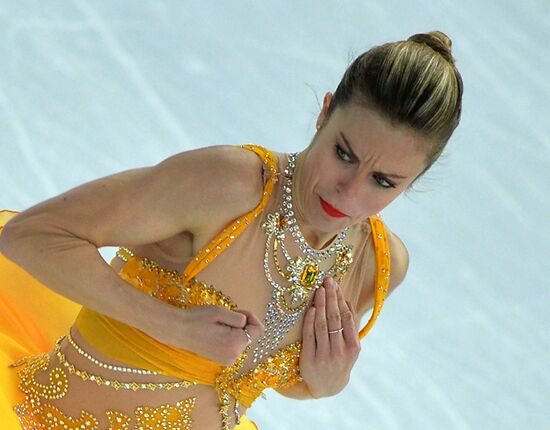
[
  {"x": 379, "y": 179},
  {"x": 390, "y": 185},
  {"x": 341, "y": 153}
]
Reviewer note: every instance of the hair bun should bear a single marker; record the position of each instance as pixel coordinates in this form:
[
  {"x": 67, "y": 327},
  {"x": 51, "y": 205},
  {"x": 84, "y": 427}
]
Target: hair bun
[{"x": 436, "y": 40}]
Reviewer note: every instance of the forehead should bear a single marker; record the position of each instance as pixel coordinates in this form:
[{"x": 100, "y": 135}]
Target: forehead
[{"x": 369, "y": 133}]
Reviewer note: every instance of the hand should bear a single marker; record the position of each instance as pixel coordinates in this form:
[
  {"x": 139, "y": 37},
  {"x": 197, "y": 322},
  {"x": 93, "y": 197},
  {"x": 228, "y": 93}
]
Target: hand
[
  {"x": 326, "y": 359},
  {"x": 213, "y": 332}
]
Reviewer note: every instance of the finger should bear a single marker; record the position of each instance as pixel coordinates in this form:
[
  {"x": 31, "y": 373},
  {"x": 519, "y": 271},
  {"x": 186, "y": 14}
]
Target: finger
[
  {"x": 342, "y": 303},
  {"x": 334, "y": 321},
  {"x": 321, "y": 332},
  {"x": 346, "y": 315},
  {"x": 353, "y": 312},
  {"x": 253, "y": 325},
  {"x": 333, "y": 310},
  {"x": 251, "y": 319},
  {"x": 234, "y": 343},
  {"x": 357, "y": 342},
  {"x": 230, "y": 318},
  {"x": 308, "y": 335}
]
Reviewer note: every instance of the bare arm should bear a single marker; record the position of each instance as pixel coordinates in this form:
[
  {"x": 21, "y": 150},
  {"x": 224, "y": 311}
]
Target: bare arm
[
  {"x": 399, "y": 266},
  {"x": 57, "y": 240}
]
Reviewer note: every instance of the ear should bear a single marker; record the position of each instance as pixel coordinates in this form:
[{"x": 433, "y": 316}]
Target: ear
[{"x": 323, "y": 114}]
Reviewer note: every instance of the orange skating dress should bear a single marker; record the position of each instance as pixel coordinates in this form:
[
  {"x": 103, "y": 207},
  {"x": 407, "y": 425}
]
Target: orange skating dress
[{"x": 33, "y": 317}]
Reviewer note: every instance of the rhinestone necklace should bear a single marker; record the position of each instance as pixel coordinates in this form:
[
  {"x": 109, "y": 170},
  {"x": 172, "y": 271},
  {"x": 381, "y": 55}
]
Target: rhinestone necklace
[
  {"x": 289, "y": 215},
  {"x": 289, "y": 302}
]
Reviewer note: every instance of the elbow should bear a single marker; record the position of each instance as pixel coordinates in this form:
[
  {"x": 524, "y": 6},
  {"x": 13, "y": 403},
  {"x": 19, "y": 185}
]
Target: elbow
[
  {"x": 19, "y": 239},
  {"x": 7, "y": 239}
]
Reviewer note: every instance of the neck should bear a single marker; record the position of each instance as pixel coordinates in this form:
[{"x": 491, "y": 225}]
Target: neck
[{"x": 315, "y": 238}]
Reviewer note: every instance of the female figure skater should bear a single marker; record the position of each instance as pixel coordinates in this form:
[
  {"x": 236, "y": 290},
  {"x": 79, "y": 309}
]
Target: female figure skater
[{"x": 238, "y": 268}]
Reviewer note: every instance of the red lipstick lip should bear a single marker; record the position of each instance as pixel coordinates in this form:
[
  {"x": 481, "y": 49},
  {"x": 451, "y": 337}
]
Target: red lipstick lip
[{"x": 331, "y": 210}]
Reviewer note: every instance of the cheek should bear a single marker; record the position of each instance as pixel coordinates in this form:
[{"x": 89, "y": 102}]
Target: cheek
[
  {"x": 325, "y": 173},
  {"x": 372, "y": 202}
]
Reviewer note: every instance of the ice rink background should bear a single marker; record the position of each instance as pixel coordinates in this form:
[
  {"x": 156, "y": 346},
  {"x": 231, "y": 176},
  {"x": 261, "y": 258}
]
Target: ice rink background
[{"x": 90, "y": 88}]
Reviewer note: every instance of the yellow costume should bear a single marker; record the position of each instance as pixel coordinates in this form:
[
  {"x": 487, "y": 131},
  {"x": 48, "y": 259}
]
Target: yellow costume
[{"x": 32, "y": 317}]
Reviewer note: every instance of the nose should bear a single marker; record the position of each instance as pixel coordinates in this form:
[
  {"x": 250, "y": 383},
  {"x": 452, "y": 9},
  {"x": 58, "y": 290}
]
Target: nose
[{"x": 348, "y": 188}]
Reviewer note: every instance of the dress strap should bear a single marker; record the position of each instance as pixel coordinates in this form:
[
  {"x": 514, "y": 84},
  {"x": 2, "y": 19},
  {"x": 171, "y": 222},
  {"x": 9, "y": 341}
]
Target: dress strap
[
  {"x": 382, "y": 275},
  {"x": 224, "y": 238}
]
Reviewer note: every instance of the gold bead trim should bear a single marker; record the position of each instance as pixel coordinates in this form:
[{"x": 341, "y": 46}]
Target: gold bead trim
[
  {"x": 106, "y": 365},
  {"x": 113, "y": 383},
  {"x": 168, "y": 285},
  {"x": 35, "y": 412}
]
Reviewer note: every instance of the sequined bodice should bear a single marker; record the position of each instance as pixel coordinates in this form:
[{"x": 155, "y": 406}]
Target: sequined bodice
[{"x": 278, "y": 371}]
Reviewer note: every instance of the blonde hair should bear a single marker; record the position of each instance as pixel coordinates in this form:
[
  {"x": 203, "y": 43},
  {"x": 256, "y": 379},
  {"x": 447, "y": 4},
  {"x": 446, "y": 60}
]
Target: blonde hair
[{"x": 413, "y": 82}]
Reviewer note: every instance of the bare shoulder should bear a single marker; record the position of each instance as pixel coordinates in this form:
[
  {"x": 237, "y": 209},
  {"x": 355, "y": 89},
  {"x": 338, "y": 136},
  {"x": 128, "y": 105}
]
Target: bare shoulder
[
  {"x": 238, "y": 169},
  {"x": 399, "y": 264},
  {"x": 229, "y": 181}
]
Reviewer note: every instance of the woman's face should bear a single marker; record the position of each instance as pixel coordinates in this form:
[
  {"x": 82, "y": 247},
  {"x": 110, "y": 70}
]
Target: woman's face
[{"x": 350, "y": 164}]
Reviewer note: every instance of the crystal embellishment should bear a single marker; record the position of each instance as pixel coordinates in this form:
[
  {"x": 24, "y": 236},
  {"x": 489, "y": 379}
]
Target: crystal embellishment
[{"x": 302, "y": 274}]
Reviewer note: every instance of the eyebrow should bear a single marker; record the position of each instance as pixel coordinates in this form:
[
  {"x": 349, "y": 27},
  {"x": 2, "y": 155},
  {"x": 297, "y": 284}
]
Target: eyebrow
[{"x": 390, "y": 175}]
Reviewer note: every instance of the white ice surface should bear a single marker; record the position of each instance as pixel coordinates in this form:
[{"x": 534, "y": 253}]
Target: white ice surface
[{"x": 90, "y": 88}]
